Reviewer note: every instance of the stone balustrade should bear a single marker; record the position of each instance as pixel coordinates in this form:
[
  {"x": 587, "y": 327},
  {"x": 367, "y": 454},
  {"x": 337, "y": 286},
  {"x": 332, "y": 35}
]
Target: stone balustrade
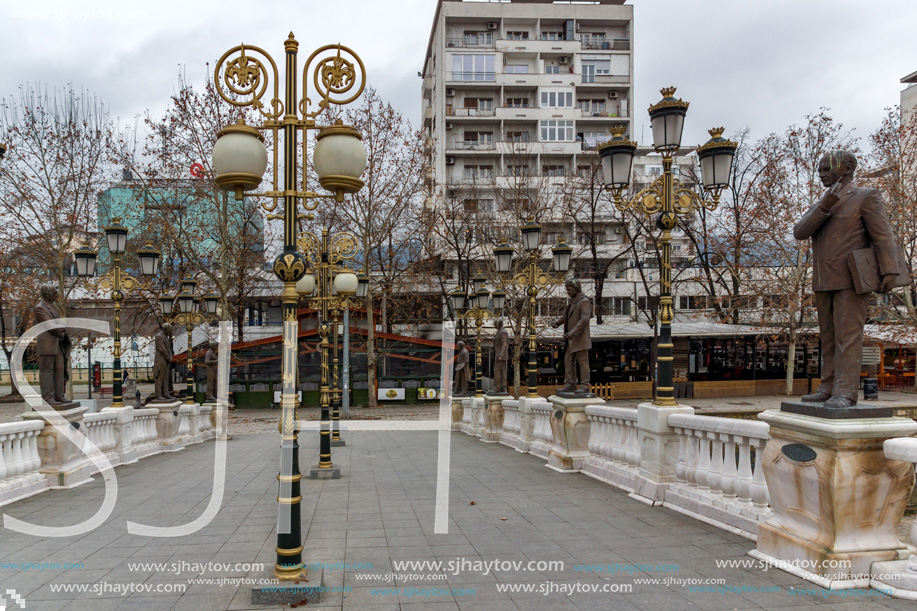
[
  {"x": 614, "y": 451},
  {"x": 123, "y": 435},
  {"x": 512, "y": 424},
  {"x": 19, "y": 461},
  {"x": 543, "y": 438},
  {"x": 719, "y": 474}
]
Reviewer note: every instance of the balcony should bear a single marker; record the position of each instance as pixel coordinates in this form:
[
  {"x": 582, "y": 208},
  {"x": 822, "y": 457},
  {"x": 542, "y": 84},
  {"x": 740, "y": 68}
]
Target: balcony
[
  {"x": 603, "y": 114},
  {"x": 469, "y": 145},
  {"x": 616, "y": 44},
  {"x": 471, "y": 77},
  {"x": 471, "y": 42},
  {"x": 469, "y": 112}
]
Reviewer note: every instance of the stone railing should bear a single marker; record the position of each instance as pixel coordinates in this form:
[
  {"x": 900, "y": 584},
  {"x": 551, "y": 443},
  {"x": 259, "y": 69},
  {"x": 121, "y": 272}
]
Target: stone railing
[
  {"x": 543, "y": 438},
  {"x": 614, "y": 451},
  {"x": 19, "y": 461},
  {"x": 143, "y": 432},
  {"x": 30, "y": 450},
  {"x": 719, "y": 473},
  {"x": 99, "y": 428},
  {"x": 512, "y": 423}
]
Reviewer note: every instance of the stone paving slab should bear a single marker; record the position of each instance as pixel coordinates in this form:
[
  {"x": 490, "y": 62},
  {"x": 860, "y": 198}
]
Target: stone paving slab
[{"x": 504, "y": 506}]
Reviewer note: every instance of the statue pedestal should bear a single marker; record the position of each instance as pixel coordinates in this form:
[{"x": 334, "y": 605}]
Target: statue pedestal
[
  {"x": 477, "y": 416},
  {"x": 837, "y": 499},
  {"x": 457, "y": 412},
  {"x": 62, "y": 461},
  {"x": 570, "y": 428},
  {"x": 220, "y": 429},
  {"x": 492, "y": 430},
  {"x": 168, "y": 425}
]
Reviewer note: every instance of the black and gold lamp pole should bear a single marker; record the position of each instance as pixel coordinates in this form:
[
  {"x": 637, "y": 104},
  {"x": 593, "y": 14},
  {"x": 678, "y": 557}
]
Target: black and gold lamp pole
[
  {"x": 534, "y": 279},
  {"x": 187, "y": 304},
  {"x": 666, "y": 198},
  {"x": 242, "y": 77},
  {"x": 333, "y": 286},
  {"x": 118, "y": 282}
]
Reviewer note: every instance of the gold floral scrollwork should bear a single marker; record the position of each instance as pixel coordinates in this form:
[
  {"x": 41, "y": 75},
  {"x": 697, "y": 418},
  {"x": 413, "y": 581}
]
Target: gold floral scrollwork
[
  {"x": 344, "y": 245},
  {"x": 333, "y": 77},
  {"x": 308, "y": 244},
  {"x": 247, "y": 76},
  {"x": 289, "y": 267}
]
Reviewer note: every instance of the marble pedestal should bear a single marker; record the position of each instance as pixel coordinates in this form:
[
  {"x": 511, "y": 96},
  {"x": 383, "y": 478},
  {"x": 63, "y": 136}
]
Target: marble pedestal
[
  {"x": 526, "y": 423},
  {"x": 63, "y": 462},
  {"x": 658, "y": 451},
  {"x": 124, "y": 433},
  {"x": 492, "y": 429},
  {"x": 570, "y": 428},
  {"x": 457, "y": 411},
  {"x": 837, "y": 499},
  {"x": 220, "y": 429},
  {"x": 477, "y": 416},
  {"x": 167, "y": 425}
]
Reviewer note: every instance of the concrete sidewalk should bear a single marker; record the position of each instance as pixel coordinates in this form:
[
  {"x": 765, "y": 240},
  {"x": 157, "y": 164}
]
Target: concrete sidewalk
[{"x": 504, "y": 506}]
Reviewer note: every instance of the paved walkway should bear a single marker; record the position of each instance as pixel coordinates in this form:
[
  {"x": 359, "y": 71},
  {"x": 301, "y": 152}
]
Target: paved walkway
[{"x": 504, "y": 506}]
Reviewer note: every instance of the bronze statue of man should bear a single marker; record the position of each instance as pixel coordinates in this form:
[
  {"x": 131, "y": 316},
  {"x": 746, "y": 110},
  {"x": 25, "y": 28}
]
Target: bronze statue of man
[
  {"x": 577, "y": 340},
  {"x": 501, "y": 357},
  {"x": 211, "y": 360},
  {"x": 162, "y": 364},
  {"x": 846, "y": 218},
  {"x": 53, "y": 348},
  {"x": 462, "y": 372}
]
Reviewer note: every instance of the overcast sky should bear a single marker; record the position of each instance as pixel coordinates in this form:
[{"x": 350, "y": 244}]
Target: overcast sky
[{"x": 741, "y": 63}]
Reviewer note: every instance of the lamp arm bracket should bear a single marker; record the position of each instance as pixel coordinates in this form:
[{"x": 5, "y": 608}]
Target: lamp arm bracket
[{"x": 246, "y": 75}]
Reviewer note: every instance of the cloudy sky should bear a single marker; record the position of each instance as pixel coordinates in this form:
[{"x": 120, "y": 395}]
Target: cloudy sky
[{"x": 741, "y": 63}]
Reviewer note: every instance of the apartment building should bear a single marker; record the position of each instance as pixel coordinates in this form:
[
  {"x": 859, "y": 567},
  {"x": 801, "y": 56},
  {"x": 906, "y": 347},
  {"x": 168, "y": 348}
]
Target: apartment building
[{"x": 909, "y": 97}]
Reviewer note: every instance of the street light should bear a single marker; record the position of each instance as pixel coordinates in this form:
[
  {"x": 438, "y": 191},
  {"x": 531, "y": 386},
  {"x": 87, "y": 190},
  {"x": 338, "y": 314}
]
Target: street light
[
  {"x": 533, "y": 279},
  {"x": 242, "y": 77},
  {"x": 192, "y": 311},
  {"x": 667, "y": 198},
  {"x": 333, "y": 287},
  {"x": 118, "y": 282}
]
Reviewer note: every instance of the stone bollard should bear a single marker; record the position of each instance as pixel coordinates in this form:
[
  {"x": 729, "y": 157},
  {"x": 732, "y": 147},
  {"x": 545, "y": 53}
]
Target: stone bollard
[
  {"x": 527, "y": 419},
  {"x": 124, "y": 433},
  {"x": 658, "y": 444},
  {"x": 62, "y": 462},
  {"x": 837, "y": 499},
  {"x": 570, "y": 428},
  {"x": 492, "y": 429},
  {"x": 477, "y": 416},
  {"x": 167, "y": 425}
]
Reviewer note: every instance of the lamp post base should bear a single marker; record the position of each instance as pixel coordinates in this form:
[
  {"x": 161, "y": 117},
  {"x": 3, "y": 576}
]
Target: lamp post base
[
  {"x": 291, "y": 592},
  {"x": 328, "y": 473}
]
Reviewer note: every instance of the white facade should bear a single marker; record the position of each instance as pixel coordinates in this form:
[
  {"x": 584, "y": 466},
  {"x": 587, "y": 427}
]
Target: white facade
[{"x": 909, "y": 97}]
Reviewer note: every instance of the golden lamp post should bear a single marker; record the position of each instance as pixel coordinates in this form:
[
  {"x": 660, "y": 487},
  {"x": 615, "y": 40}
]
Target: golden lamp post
[
  {"x": 534, "y": 279},
  {"x": 186, "y": 315},
  {"x": 332, "y": 286},
  {"x": 667, "y": 198},
  {"x": 118, "y": 282},
  {"x": 242, "y": 77}
]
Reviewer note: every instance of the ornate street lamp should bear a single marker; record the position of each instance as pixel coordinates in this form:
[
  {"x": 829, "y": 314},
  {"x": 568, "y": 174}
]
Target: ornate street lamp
[
  {"x": 477, "y": 311},
  {"x": 242, "y": 77},
  {"x": 333, "y": 287},
  {"x": 118, "y": 282},
  {"x": 192, "y": 311},
  {"x": 534, "y": 280},
  {"x": 667, "y": 198}
]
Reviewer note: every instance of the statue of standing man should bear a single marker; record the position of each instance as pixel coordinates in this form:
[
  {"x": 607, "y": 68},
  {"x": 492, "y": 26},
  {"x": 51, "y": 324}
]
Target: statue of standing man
[
  {"x": 462, "y": 372},
  {"x": 846, "y": 219},
  {"x": 577, "y": 340},
  {"x": 53, "y": 348},
  {"x": 501, "y": 357},
  {"x": 162, "y": 364},
  {"x": 211, "y": 360}
]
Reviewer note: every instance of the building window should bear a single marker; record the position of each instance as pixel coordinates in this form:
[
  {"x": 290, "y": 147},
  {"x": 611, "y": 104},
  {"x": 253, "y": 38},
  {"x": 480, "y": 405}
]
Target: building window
[
  {"x": 517, "y": 36},
  {"x": 554, "y": 171},
  {"x": 594, "y": 107},
  {"x": 645, "y": 304},
  {"x": 517, "y": 136},
  {"x": 478, "y": 171},
  {"x": 478, "y": 205},
  {"x": 556, "y": 98},
  {"x": 516, "y": 69},
  {"x": 478, "y": 39},
  {"x": 552, "y": 35},
  {"x": 517, "y": 102},
  {"x": 522, "y": 204},
  {"x": 473, "y": 68},
  {"x": 557, "y": 131},
  {"x": 516, "y": 170},
  {"x": 479, "y": 138},
  {"x": 695, "y": 302},
  {"x": 584, "y": 237},
  {"x": 479, "y": 104},
  {"x": 552, "y": 69},
  {"x": 616, "y": 306}
]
